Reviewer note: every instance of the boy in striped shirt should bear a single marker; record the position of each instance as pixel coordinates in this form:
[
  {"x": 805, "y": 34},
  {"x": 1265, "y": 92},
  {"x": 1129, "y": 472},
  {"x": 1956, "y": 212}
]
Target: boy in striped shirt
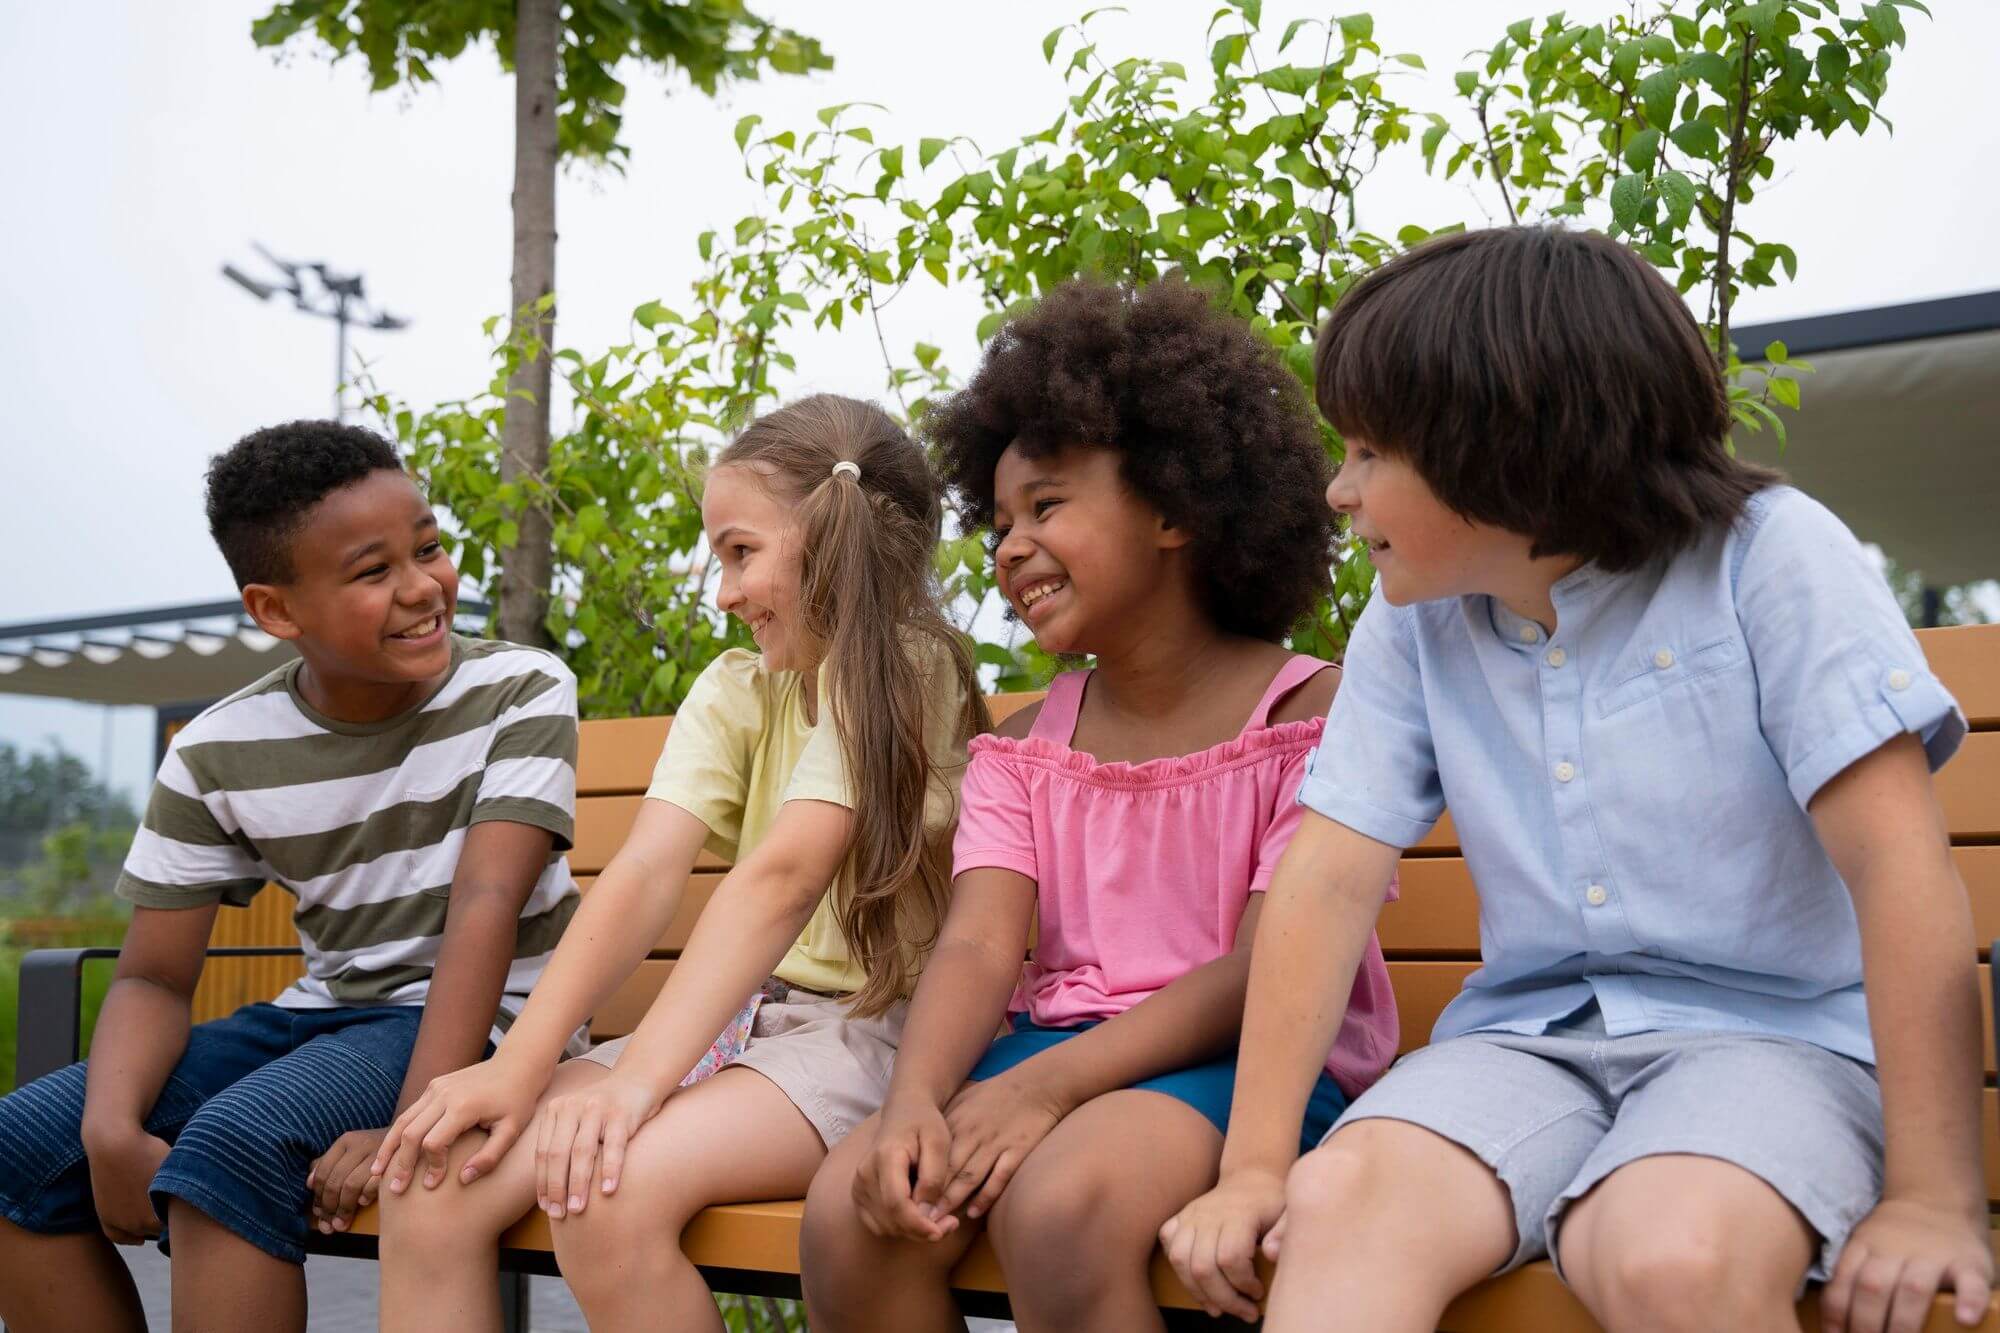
[{"x": 414, "y": 791}]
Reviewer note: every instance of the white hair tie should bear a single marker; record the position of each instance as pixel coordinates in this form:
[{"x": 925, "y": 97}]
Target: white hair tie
[{"x": 852, "y": 471}]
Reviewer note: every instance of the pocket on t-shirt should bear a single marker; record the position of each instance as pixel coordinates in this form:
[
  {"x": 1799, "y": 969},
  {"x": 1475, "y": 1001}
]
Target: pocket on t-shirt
[{"x": 1666, "y": 668}]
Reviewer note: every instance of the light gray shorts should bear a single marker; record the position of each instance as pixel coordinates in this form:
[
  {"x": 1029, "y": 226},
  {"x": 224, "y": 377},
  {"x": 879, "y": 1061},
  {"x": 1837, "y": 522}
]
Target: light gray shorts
[
  {"x": 834, "y": 1067},
  {"x": 1555, "y": 1114}
]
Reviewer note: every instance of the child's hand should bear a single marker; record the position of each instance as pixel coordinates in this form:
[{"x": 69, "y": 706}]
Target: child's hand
[
  {"x": 911, "y": 1138},
  {"x": 994, "y": 1125},
  {"x": 492, "y": 1095},
  {"x": 580, "y": 1140},
  {"x": 342, "y": 1181},
  {"x": 1212, "y": 1243},
  {"x": 121, "y": 1177},
  {"x": 1896, "y": 1260}
]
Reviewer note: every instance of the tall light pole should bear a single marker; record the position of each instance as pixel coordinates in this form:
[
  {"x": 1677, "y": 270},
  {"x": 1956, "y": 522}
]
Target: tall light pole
[{"x": 335, "y": 296}]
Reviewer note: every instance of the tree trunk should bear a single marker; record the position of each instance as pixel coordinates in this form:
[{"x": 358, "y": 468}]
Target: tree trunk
[{"x": 525, "y": 566}]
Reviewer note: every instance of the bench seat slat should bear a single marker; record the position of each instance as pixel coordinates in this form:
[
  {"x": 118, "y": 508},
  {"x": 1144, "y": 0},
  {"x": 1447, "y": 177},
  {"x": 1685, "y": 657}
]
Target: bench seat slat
[
  {"x": 1966, "y": 659},
  {"x": 764, "y": 1237}
]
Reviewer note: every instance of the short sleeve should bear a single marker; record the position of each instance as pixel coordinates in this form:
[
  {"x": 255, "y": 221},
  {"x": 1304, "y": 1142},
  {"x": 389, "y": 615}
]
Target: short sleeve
[
  {"x": 1376, "y": 768},
  {"x": 530, "y": 772},
  {"x": 183, "y": 856},
  {"x": 1284, "y": 823},
  {"x": 995, "y": 817},
  {"x": 1839, "y": 672},
  {"x": 821, "y": 773},
  {"x": 705, "y": 767}
]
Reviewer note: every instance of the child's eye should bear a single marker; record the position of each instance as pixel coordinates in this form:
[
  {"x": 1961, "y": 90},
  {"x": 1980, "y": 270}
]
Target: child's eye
[
  {"x": 373, "y": 571},
  {"x": 430, "y": 549},
  {"x": 739, "y": 551},
  {"x": 1043, "y": 506}
]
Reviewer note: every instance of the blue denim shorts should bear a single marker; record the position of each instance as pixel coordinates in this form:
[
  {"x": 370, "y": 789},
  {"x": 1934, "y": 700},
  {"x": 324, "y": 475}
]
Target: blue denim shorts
[
  {"x": 1206, "y": 1088},
  {"x": 254, "y": 1101}
]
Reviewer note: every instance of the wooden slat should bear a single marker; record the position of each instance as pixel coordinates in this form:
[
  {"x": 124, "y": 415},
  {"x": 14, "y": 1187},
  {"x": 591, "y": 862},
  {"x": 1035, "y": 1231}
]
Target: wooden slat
[
  {"x": 227, "y": 984},
  {"x": 616, "y": 756},
  {"x": 764, "y": 1238},
  {"x": 601, "y": 825},
  {"x": 1966, "y": 658},
  {"x": 1969, "y": 789},
  {"x": 628, "y": 1004},
  {"x": 1003, "y": 706}
]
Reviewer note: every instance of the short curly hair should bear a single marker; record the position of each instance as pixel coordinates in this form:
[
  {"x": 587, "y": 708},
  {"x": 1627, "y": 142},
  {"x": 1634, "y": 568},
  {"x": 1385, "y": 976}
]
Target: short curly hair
[
  {"x": 1212, "y": 430},
  {"x": 260, "y": 489}
]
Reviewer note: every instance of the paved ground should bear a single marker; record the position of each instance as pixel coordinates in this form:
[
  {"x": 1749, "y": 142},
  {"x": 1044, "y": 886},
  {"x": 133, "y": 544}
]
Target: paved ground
[{"x": 342, "y": 1292}]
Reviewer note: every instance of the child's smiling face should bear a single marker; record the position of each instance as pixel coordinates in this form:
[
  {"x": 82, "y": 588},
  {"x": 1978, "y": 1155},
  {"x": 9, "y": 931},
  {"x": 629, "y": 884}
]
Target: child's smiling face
[
  {"x": 1422, "y": 549},
  {"x": 372, "y": 594},
  {"x": 757, "y": 540},
  {"x": 1075, "y": 549}
]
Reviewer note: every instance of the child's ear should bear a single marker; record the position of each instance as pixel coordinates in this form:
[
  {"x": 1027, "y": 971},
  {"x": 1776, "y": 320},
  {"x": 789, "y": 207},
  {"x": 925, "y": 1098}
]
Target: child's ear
[
  {"x": 266, "y": 604},
  {"x": 1170, "y": 538}
]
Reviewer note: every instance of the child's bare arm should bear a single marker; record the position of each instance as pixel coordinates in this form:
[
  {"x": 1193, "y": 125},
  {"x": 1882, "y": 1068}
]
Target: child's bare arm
[
  {"x": 141, "y": 1033},
  {"x": 956, "y": 1010},
  {"x": 1318, "y": 915},
  {"x": 1881, "y": 825},
  {"x": 619, "y": 919}
]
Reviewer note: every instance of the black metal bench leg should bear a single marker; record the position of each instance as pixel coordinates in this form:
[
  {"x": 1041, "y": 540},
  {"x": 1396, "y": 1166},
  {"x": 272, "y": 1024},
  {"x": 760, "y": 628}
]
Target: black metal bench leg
[{"x": 514, "y": 1312}]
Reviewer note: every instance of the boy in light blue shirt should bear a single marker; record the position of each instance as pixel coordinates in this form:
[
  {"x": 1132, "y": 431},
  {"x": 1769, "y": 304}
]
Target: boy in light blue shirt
[{"x": 1686, "y": 738}]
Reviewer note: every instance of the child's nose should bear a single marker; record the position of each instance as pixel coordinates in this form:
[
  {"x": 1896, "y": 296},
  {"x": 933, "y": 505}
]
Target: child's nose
[
  {"x": 1013, "y": 549},
  {"x": 1340, "y": 496}
]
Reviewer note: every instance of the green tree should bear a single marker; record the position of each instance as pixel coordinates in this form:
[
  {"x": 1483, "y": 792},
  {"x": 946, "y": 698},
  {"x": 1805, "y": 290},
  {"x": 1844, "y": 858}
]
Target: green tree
[
  {"x": 46, "y": 791},
  {"x": 567, "y": 98},
  {"x": 1253, "y": 182}
]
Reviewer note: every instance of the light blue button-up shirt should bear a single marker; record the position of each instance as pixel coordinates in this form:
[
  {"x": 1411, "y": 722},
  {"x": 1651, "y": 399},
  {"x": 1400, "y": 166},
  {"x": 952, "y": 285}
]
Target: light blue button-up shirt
[{"x": 1631, "y": 793}]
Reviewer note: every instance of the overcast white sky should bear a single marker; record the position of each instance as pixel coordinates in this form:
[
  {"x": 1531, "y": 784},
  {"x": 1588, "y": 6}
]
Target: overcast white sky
[{"x": 152, "y": 145}]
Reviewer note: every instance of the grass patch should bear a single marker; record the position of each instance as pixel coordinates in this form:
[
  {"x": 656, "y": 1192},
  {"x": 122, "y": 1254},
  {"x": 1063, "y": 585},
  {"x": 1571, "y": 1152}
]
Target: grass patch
[{"x": 96, "y": 981}]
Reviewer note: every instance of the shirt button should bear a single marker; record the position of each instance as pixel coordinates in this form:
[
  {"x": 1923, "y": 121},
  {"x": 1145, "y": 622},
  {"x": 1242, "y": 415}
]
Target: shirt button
[
  {"x": 1529, "y": 634},
  {"x": 1556, "y": 657},
  {"x": 1565, "y": 771},
  {"x": 1899, "y": 679},
  {"x": 1595, "y": 895},
  {"x": 1663, "y": 659}
]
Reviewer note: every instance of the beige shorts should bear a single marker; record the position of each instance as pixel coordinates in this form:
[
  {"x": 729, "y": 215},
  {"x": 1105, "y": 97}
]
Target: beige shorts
[{"x": 834, "y": 1067}]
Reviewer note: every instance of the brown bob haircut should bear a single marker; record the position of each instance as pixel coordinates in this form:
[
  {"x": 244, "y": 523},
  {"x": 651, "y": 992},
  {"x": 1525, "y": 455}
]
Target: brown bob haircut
[{"x": 1543, "y": 381}]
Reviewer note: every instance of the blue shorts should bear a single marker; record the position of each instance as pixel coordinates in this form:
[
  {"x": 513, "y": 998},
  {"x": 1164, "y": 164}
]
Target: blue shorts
[
  {"x": 254, "y": 1101},
  {"x": 1205, "y": 1087}
]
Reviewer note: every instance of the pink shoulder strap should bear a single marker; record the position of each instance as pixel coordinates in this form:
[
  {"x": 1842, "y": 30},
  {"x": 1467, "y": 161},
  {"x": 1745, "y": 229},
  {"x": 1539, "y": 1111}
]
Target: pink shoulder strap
[
  {"x": 1291, "y": 675},
  {"x": 1057, "y": 720}
]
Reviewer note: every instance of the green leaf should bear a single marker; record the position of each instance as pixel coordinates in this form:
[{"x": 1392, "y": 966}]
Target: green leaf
[
  {"x": 1776, "y": 352},
  {"x": 1784, "y": 389},
  {"x": 928, "y": 150},
  {"x": 649, "y": 315},
  {"x": 1628, "y": 195},
  {"x": 744, "y": 127},
  {"x": 1640, "y": 152},
  {"x": 1657, "y": 92},
  {"x": 1697, "y": 138},
  {"x": 1049, "y": 44},
  {"x": 1518, "y": 33},
  {"x": 1679, "y": 193}
]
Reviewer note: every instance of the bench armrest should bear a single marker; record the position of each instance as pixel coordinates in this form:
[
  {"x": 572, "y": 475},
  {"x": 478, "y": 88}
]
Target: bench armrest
[{"x": 50, "y": 1021}]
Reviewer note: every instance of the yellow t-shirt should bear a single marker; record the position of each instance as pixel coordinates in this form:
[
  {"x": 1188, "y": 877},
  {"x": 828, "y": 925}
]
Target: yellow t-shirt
[{"x": 741, "y": 746}]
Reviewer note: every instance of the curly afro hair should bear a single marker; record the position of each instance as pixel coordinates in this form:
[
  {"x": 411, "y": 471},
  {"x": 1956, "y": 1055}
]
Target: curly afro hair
[
  {"x": 1214, "y": 433},
  {"x": 260, "y": 489}
]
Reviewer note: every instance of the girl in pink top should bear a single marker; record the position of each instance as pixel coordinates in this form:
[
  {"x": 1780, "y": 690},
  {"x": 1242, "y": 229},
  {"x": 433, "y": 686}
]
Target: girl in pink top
[{"x": 1136, "y": 455}]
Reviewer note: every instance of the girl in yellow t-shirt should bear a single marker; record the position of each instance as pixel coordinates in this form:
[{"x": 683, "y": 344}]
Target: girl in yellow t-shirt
[{"x": 825, "y": 766}]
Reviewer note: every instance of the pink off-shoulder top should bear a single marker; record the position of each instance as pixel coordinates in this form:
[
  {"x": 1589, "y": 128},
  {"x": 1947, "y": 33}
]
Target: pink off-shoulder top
[{"x": 1143, "y": 871}]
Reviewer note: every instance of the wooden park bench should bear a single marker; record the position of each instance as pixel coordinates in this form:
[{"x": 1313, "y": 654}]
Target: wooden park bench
[{"x": 1430, "y": 936}]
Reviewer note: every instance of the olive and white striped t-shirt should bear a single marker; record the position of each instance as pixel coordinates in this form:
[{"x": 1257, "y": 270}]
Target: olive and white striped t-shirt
[{"x": 363, "y": 822}]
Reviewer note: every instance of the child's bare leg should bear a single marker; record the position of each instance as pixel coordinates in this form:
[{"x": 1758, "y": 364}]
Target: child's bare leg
[
  {"x": 858, "y": 1282},
  {"x": 1386, "y": 1222},
  {"x": 64, "y": 1282},
  {"x": 1682, "y": 1242},
  {"x": 1076, "y": 1227},
  {"x": 440, "y": 1247},
  {"x": 222, "y": 1282},
  {"x": 734, "y": 1138}
]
